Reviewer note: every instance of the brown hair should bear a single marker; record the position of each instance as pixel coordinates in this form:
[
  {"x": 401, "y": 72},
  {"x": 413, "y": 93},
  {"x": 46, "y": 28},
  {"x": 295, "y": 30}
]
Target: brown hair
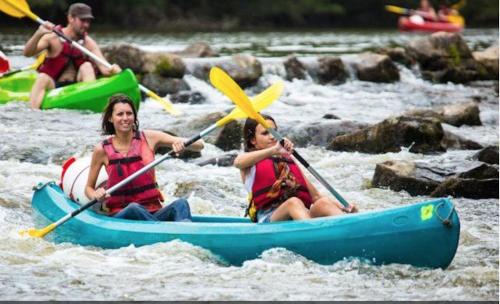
[
  {"x": 249, "y": 131},
  {"x": 107, "y": 126}
]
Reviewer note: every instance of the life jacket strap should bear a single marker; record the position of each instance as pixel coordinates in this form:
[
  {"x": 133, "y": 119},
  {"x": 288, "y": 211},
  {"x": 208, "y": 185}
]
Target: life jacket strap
[{"x": 133, "y": 191}]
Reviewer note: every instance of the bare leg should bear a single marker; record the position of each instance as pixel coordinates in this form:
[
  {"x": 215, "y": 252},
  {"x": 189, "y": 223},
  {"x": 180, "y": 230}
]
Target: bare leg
[
  {"x": 86, "y": 73},
  {"x": 325, "y": 206},
  {"x": 42, "y": 83},
  {"x": 291, "y": 209}
]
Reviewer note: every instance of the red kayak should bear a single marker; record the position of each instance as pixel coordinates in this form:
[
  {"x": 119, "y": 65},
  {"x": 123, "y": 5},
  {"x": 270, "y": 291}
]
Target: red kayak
[{"x": 410, "y": 25}]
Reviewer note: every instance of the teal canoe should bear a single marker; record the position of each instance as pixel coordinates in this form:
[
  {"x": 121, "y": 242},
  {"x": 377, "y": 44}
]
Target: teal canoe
[
  {"x": 424, "y": 234},
  {"x": 91, "y": 96}
]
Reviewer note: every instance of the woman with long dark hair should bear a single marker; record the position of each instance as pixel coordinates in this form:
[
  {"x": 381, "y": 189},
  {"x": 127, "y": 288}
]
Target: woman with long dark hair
[
  {"x": 278, "y": 188},
  {"x": 126, "y": 151}
]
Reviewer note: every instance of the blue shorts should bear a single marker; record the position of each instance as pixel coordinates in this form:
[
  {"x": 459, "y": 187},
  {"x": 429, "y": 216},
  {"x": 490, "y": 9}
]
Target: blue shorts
[{"x": 264, "y": 216}]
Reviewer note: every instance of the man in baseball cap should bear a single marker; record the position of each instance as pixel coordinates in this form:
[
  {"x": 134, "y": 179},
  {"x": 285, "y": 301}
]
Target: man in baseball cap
[
  {"x": 65, "y": 64},
  {"x": 80, "y": 10}
]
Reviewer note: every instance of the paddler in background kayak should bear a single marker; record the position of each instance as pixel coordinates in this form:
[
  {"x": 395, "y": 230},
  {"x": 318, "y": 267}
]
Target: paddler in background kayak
[
  {"x": 126, "y": 151},
  {"x": 447, "y": 13},
  {"x": 278, "y": 188},
  {"x": 65, "y": 64},
  {"x": 424, "y": 13}
]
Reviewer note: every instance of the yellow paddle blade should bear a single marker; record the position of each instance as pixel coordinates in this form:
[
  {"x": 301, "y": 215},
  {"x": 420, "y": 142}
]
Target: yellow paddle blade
[
  {"x": 39, "y": 61},
  {"x": 264, "y": 99},
  {"x": 16, "y": 8},
  {"x": 224, "y": 83},
  {"x": 38, "y": 232},
  {"x": 395, "y": 9},
  {"x": 260, "y": 102},
  {"x": 169, "y": 107}
]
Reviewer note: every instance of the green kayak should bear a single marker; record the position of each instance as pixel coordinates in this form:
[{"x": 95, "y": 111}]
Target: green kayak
[{"x": 79, "y": 96}]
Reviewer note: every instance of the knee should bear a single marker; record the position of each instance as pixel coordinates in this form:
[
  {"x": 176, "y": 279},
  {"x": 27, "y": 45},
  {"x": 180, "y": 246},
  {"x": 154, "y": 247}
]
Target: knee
[
  {"x": 322, "y": 203},
  {"x": 44, "y": 81},
  {"x": 133, "y": 206},
  {"x": 181, "y": 203},
  {"x": 87, "y": 68},
  {"x": 295, "y": 203}
]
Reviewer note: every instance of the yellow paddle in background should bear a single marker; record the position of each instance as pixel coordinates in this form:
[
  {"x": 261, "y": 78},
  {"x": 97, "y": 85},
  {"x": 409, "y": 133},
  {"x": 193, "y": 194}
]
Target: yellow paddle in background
[
  {"x": 222, "y": 81},
  {"x": 261, "y": 101},
  {"x": 33, "y": 66},
  {"x": 20, "y": 9}
]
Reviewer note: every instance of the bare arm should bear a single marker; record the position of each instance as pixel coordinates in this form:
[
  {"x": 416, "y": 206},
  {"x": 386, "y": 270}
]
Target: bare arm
[
  {"x": 248, "y": 159},
  {"x": 158, "y": 138},
  {"x": 98, "y": 160},
  {"x": 39, "y": 41},
  {"x": 92, "y": 46}
]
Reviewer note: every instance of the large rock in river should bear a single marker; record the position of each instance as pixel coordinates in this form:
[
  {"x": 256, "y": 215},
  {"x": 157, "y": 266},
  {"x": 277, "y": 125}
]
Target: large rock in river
[
  {"x": 445, "y": 57},
  {"x": 488, "y": 59},
  {"x": 321, "y": 133},
  {"x": 244, "y": 69},
  {"x": 331, "y": 70},
  {"x": 376, "y": 68},
  {"x": 294, "y": 68},
  {"x": 416, "y": 179},
  {"x": 422, "y": 135},
  {"x": 164, "y": 64},
  {"x": 479, "y": 181},
  {"x": 455, "y": 114},
  {"x": 126, "y": 56}
]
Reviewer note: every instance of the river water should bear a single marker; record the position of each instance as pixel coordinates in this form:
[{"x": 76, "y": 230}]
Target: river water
[{"x": 33, "y": 144}]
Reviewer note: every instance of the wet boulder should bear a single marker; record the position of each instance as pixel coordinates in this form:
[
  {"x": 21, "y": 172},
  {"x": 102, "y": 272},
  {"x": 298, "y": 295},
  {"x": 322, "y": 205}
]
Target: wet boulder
[
  {"x": 421, "y": 135},
  {"x": 376, "y": 68},
  {"x": 126, "y": 56},
  {"x": 164, "y": 64},
  {"x": 230, "y": 136},
  {"x": 444, "y": 57},
  {"x": 468, "y": 188},
  {"x": 455, "y": 114},
  {"x": 188, "y": 97},
  {"x": 163, "y": 85},
  {"x": 399, "y": 55},
  {"x": 488, "y": 59},
  {"x": 321, "y": 133},
  {"x": 244, "y": 69},
  {"x": 457, "y": 142},
  {"x": 414, "y": 178},
  {"x": 201, "y": 123},
  {"x": 478, "y": 181},
  {"x": 294, "y": 69},
  {"x": 331, "y": 70},
  {"x": 197, "y": 50},
  {"x": 488, "y": 155},
  {"x": 225, "y": 160}
]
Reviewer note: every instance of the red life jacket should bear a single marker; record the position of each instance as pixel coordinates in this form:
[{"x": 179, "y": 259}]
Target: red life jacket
[
  {"x": 142, "y": 190},
  {"x": 55, "y": 66},
  {"x": 266, "y": 174}
]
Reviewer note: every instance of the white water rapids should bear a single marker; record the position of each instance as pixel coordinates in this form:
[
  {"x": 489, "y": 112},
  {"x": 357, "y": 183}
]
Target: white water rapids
[{"x": 34, "y": 143}]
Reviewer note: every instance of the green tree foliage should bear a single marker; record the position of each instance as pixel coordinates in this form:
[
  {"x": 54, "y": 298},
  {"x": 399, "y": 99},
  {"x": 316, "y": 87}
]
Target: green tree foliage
[{"x": 250, "y": 14}]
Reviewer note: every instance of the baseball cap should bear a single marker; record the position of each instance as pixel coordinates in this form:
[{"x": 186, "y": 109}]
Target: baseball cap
[{"x": 80, "y": 10}]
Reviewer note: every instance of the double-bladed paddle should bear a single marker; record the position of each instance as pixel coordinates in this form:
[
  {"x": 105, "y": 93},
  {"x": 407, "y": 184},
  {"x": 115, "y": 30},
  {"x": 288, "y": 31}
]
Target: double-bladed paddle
[
  {"x": 222, "y": 81},
  {"x": 261, "y": 101},
  {"x": 20, "y": 9}
]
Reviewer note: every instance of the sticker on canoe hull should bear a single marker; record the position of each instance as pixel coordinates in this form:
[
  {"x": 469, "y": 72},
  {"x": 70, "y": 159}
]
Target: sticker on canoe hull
[{"x": 426, "y": 212}]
